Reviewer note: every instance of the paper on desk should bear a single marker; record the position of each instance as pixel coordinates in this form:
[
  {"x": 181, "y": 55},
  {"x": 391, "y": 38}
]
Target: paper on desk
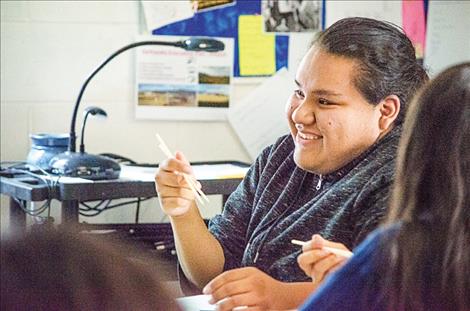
[
  {"x": 199, "y": 303},
  {"x": 260, "y": 118},
  {"x": 195, "y": 303},
  {"x": 138, "y": 173},
  {"x": 219, "y": 171},
  {"x": 161, "y": 13},
  {"x": 201, "y": 171}
]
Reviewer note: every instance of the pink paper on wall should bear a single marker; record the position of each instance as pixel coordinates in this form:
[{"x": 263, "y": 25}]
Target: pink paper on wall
[{"x": 414, "y": 24}]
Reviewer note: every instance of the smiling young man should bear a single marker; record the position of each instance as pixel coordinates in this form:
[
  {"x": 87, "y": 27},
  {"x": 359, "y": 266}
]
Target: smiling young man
[{"x": 330, "y": 177}]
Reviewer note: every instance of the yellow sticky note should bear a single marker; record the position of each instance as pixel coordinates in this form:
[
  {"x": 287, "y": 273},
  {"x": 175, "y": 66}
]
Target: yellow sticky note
[{"x": 256, "y": 49}]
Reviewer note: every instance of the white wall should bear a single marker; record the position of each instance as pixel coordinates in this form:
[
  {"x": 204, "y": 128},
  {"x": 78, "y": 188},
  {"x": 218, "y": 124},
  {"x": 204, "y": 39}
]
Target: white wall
[{"x": 48, "y": 48}]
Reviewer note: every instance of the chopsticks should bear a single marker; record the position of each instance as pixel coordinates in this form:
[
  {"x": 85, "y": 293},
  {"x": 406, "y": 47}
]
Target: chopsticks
[
  {"x": 197, "y": 192},
  {"x": 336, "y": 251}
]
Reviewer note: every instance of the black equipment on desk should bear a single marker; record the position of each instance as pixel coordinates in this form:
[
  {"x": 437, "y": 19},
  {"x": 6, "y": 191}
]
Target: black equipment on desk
[
  {"x": 76, "y": 164},
  {"x": 82, "y": 164}
]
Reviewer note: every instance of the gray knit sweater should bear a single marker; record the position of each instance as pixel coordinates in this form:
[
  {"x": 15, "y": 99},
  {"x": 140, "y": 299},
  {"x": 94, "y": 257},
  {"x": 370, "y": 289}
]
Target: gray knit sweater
[{"x": 277, "y": 201}]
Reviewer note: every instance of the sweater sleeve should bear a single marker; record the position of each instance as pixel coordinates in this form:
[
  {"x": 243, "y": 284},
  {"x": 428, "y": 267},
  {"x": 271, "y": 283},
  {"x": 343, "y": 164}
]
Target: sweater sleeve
[{"x": 230, "y": 227}]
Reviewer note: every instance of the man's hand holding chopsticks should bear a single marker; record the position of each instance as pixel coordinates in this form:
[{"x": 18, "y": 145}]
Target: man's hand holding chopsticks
[{"x": 176, "y": 196}]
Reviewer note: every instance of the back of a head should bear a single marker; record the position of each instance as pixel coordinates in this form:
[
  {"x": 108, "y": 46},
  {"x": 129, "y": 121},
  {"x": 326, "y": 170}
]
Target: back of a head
[
  {"x": 436, "y": 148},
  {"x": 64, "y": 270},
  {"x": 432, "y": 197},
  {"x": 386, "y": 58}
]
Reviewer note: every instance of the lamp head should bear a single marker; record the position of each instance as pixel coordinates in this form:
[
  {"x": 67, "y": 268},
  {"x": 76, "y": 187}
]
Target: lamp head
[
  {"x": 94, "y": 111},
  {"x": 202, "y": 44}
]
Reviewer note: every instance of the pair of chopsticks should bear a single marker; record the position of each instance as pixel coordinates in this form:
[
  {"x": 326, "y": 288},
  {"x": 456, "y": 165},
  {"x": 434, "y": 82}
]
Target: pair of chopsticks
[
  {"x": 197, "y": 192},
  {"x": 337, "y": 251}
]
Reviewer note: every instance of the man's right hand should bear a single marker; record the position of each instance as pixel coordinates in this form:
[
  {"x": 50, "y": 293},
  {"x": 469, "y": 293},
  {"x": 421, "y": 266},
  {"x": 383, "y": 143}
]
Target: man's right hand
[
  {"x": 174, "y": 193},
  {"x": 200, "y": 254}
]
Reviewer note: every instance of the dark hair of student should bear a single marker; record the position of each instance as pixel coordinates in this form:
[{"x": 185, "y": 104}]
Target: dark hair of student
[
  {"x": 386, "y": 58},
  {"x": 65, "y": 270},
  {"x": 429, "y": 257}
]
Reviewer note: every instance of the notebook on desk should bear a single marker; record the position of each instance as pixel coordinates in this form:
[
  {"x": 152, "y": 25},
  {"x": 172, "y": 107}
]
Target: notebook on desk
[
  {"x": 202, "y": 171},
  {"x": 195, "y": 303},
  {"x": 200, "y": 303}
]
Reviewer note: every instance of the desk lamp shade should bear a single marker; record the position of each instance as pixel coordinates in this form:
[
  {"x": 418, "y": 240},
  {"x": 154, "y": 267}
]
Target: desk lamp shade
[{"x": 82, "y": 164}]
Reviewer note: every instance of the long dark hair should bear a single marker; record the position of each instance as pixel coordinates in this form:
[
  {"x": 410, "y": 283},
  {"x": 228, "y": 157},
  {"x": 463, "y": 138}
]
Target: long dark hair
[
  {"x": 430, "y": 255},
  {"x": 386, "y": 58}
]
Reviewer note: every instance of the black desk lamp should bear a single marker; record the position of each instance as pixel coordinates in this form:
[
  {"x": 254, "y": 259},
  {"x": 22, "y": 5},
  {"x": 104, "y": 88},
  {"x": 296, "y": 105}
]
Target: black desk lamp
[
  {"x": 94, "y": 111},
  {"x": 81, "y": 164}
]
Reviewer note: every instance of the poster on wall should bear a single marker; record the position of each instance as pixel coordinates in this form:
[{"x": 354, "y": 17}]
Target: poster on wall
[
  {"x": 292, "y": 15},
  {"x": 175, "y": 84}
]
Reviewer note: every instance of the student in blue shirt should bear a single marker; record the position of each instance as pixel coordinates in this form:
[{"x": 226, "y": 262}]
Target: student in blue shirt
[{"x": 420, "y": 260}]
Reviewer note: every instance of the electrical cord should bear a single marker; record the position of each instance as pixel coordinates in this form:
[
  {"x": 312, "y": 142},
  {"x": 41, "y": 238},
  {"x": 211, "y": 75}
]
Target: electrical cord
[
  {"x": 24, "y": 168},
  {"x": 95, "y": 207},
  {"x": 90, "y": 212},
  {"x": 137, "y": 211}
]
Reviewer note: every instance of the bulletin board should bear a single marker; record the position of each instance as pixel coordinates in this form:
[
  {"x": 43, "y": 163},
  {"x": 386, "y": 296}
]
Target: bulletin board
[{"x": 223, "y": 22}]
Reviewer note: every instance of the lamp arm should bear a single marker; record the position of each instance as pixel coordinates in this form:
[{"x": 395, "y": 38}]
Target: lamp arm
[
  {"x": 82, "y": 136},
  {"x": 73, "y": 136}
]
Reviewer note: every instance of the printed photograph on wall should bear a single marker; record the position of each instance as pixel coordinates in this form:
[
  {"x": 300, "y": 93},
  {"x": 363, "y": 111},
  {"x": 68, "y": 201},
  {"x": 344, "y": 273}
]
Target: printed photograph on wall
[
  {"x": 204, "y": 5},
  {"x": 291, "y": 15},
  {"x": 167, "y": 95},
  {"x": 176, "y": 84},
  {"x": 214, "y": 87}
]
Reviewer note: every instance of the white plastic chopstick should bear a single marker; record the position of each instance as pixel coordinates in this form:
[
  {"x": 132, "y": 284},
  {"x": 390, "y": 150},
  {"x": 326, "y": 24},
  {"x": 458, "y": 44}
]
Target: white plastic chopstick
[
  {"x": 197, "y": 192},
  {"x": 336, "y": 251}
]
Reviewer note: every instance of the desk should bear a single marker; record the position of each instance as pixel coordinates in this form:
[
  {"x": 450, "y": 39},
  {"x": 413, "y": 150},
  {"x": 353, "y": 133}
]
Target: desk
[{"x": 71, "y": 191}]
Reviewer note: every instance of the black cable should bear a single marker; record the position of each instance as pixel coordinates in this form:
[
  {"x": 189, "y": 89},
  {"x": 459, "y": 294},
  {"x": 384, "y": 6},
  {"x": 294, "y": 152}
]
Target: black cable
[
  {"x": 21, "y": 168},
  {"x": 94, "y": 210},
  {"x": 130, "y": 202},
  {"x": 23, "y": 205},
  {"x": 119, "y": 159},
  {"x": 137, "y": 211},
  {"x": 108, "y": 207},
  {"x": 96, "y": 207}
]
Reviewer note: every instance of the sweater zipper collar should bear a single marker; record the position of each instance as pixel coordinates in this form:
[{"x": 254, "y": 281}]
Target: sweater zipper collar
[{"x": 320, "y": 180}]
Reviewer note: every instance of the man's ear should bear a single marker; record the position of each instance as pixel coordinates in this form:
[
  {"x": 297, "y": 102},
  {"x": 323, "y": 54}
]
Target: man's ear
[{"x": 389, "y": 108}]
